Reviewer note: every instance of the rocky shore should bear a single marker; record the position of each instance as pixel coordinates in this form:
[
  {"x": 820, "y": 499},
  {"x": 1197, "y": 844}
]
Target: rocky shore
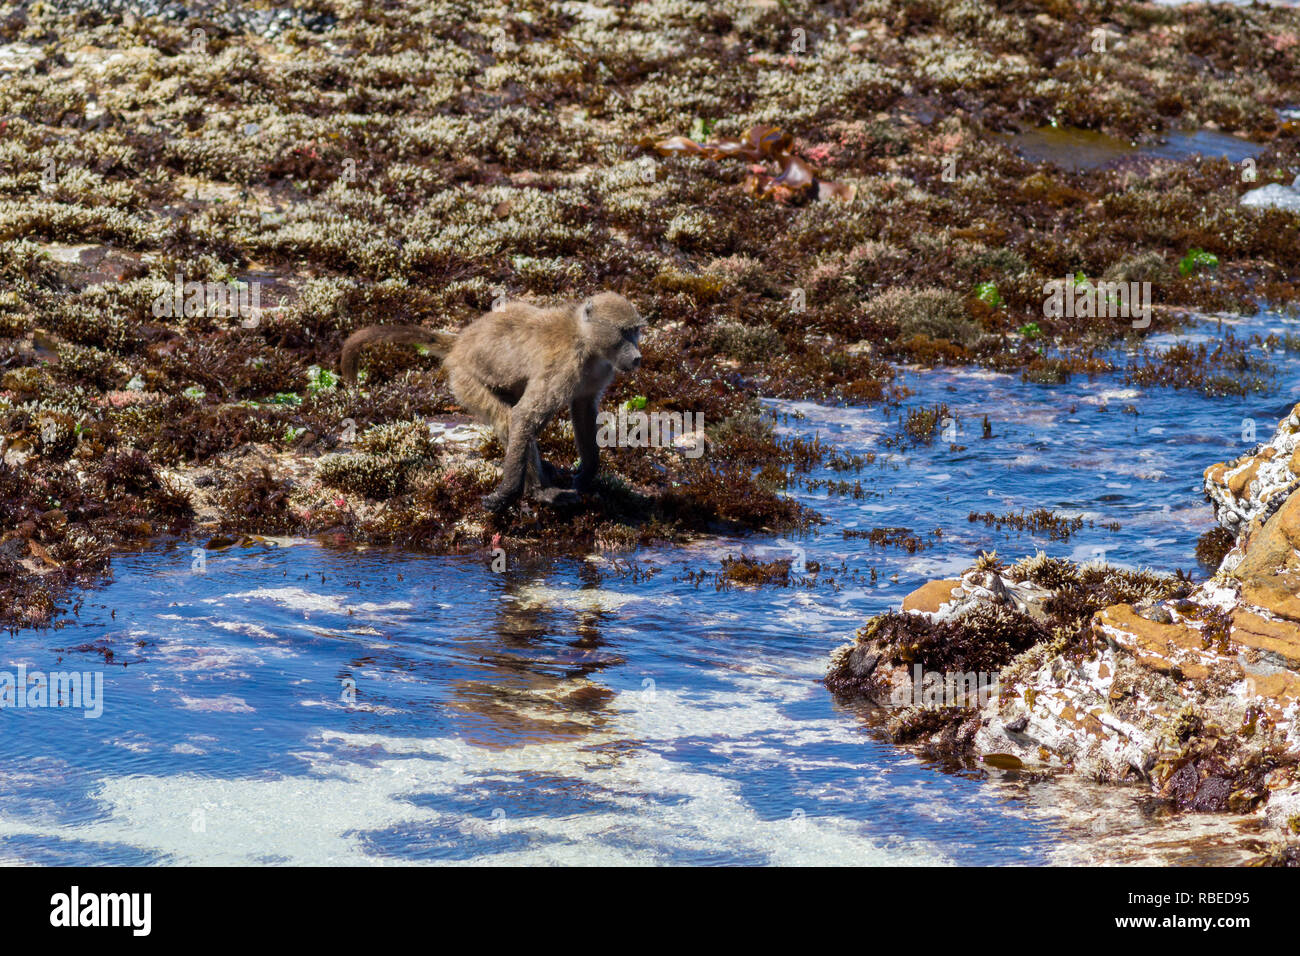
[
  {"x": 347, "y": 168},
  {"x": 1191, "y": 691}
]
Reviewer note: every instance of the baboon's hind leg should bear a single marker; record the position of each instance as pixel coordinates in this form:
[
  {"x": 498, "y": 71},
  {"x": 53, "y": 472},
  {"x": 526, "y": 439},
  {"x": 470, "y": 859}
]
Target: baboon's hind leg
[
  {"x": 484, "y": 404},
  {"x": 481, "y": 402}
]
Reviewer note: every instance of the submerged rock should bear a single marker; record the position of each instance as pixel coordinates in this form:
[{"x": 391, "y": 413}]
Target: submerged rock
[{"x": 1191, "y": 691}]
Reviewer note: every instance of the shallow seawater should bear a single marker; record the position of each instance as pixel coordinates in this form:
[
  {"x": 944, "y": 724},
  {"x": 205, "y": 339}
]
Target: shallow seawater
[
  {"x": 292, "y": 703},
  {"x": 1076, "y": 149}
]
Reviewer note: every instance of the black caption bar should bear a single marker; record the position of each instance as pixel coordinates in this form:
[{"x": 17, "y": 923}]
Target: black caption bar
[{"x": 134, "y": 907}]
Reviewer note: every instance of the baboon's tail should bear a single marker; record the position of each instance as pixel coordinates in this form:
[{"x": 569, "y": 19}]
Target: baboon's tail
[{"x": 439, "y": 343}]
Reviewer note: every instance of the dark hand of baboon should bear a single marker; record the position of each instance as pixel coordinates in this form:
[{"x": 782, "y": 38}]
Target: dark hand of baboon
[{"x": 516, "y": 367}]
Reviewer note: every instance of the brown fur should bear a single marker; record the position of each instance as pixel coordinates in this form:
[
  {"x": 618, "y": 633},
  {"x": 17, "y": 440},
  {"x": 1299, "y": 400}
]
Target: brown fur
[
  {"x": 439, "y": 343},
  {"x": 514, "y": 368}
]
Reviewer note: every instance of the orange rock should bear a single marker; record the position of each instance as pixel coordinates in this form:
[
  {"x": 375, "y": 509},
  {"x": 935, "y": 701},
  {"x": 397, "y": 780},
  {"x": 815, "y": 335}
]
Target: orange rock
[
  {"x": 1163, "y": 648},
  {"x": 930, "y": 596},
  {"x": 1270, "y": 570},
  {"x": 1271, "y": 595},
  {"x": 1281, "y": 687},
  {"x": 1277, "y": 637},
  {"x": 1239, "y": 483}
]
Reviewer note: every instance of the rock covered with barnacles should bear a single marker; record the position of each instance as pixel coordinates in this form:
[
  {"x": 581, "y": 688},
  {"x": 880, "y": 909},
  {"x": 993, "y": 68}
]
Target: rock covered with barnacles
[
  {"x": 1255, "y": 485},
  {"x": 1191, "y": 691}
]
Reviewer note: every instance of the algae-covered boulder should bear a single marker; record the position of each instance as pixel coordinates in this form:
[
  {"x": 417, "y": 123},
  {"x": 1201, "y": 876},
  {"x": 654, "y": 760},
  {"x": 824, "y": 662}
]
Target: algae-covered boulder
[{"x": 1192, "y": 692}]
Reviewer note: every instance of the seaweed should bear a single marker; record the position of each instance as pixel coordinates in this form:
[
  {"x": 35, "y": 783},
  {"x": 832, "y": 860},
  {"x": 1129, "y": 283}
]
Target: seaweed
[
  {"x": 1213, "y": 546},
  {"x": 391, "y": 176}
]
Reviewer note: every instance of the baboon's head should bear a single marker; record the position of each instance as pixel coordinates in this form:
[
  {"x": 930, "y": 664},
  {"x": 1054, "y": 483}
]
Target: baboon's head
[{"x": 613, "y": 326}]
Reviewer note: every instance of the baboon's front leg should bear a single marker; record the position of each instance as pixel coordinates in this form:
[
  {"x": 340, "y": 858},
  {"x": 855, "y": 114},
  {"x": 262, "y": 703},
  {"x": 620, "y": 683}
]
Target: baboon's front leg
[
  {"x": 583, "y": 411},
  {"x": 544, "y": 484}
]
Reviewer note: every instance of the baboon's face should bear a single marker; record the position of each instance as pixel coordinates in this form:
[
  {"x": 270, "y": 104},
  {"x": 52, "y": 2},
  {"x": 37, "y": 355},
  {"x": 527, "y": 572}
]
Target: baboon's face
[{"x": 616, "y": 329}]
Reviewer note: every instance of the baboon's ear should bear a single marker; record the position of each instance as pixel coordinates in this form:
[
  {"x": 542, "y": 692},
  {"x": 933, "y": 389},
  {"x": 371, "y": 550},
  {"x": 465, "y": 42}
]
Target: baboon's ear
[{"x": 588, "y": 310}]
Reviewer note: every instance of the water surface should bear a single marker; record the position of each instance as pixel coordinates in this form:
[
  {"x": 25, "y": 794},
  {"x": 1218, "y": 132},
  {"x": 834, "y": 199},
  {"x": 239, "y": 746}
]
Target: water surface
[
  {"x": 291, "y": 703},
  {"x": 1075, "y": 149}
]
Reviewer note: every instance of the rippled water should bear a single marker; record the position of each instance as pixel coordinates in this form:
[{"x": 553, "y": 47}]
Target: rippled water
[{"x": 581, "y": 713}]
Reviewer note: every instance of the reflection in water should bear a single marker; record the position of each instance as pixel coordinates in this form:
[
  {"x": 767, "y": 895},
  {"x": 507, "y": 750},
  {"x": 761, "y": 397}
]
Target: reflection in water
[
  {"x": 293, "y": 703},
  {"x": 538, "y": 673},
  {"x": 1070, "y": 148}
]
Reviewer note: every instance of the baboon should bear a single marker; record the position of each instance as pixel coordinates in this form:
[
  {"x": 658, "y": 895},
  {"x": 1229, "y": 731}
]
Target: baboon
[{"x": 515, "y": 367}]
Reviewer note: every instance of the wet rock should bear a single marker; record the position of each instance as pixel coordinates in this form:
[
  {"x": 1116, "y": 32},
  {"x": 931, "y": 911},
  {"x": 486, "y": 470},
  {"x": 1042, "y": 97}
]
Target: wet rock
[
  {"x": 862, "y": 662},
  {"x": 1192, "y": 691},
  {"x": 930, "y": 597},
  {"x": 1155, "y": 613}
]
